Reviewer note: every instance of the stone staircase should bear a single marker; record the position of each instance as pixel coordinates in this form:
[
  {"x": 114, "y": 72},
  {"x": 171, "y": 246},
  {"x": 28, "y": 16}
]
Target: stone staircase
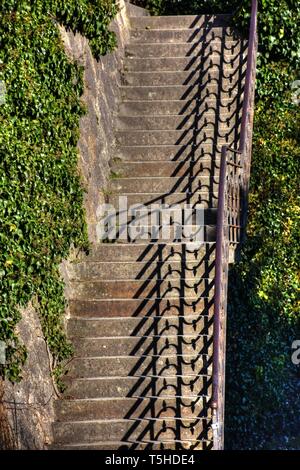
[{"x": 142, "y": 310}]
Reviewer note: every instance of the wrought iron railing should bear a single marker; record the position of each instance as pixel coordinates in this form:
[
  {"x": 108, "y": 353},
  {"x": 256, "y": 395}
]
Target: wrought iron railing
[{"x": 231, "y": 221}]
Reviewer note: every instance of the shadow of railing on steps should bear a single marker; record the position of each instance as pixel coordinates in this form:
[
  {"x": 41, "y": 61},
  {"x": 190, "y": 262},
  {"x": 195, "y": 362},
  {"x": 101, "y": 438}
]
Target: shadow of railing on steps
[{"x": 173, "y": 409}]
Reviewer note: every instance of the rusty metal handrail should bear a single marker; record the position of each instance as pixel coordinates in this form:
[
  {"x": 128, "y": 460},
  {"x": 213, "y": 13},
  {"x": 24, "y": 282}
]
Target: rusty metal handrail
[{"x": 232, "y": 206}]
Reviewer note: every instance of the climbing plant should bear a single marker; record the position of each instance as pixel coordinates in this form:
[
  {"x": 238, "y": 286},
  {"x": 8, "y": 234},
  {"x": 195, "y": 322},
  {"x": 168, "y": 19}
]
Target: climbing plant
[
  {"x": 263, "y": 312},
  {"x": 41, "y": 210}
]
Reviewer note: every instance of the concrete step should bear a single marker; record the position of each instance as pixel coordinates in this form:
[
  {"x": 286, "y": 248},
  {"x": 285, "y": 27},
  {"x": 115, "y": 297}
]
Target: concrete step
[
  {"x": 139, "y": 327},
  {"x": 163, "y": 185},
  {"x": 131, "y": 346},
  {"x": 200, "y": 166},
  {"x": 232, "y": 67},
  {"x": 124, "y": 216},
  {"x": 213, "y": 50},
  {"x": 204, "y": 197},
  {"x": 145, "y": 308},
  {"x": 179, "y": 22},
  {"x": 223, "y": 134},
  {"x": 181, "y": 35},
  {"x": 213, "y": 82},
  {"x": 179, "y": 93},
  {"x": 146, "y": 252},
  {"x": 209, "y": 104},
  {"x": 138, "y": 445},
  {"x": 104, "y": 270},
  {"x": 89, "y": 431},
  {"x": 166, "y": 153},
  {"x": 130, "y": 408},
  {"x": 127, "y": 218},
  {"x": 139, "y": 366},
  {"x": 134, "y": 232},
  {"x": 173, "y": 122},
  {"x": 136, "y": 11},
  {"x": 192, "y": 386},
  {"x": 147, "y": 289}
]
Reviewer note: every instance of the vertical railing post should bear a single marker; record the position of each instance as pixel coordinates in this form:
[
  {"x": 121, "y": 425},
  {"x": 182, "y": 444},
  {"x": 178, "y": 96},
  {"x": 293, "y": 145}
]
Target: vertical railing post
[
  {"x": 229, "y": 214},
  {"x": 218, "y": 295}
]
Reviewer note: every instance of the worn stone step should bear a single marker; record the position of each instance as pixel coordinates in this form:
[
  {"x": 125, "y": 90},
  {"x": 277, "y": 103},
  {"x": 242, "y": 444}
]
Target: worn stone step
[
  {"x": 136, "y": 11},
  {"x": 131, "y": 346},
  {"x": 156, "y": 216},
  {"x": 164, "y": 185},
  {"x": 179, "y": 22},
  {"x": 138, "y": 327},
  {"x": 213, "y": 83},
  {"x": 127, "y": 218},
  {"x": 213, "y": 50},
  {"x": 152, "y": 206},
  {"x": 137, "y": 387},
  {"x": 198, "y": 228},
  {"x": 209, "y": 104},
  {"x": 165, "y": 93},
  {"x": 104, "y": 270},
  {"x": 134, "y": 232},
  {"x": 224, "y": 134},
  {"x": 181, "y": 35},
  {"x": 173, "y": 122},
  {"x": 198, "y": 166},
  {"x": 165, "y": 153},
  {"x": 116, "y": 308},
  {"x": 130, "y": 408},
  {"x": 149, "y": 289},
  {"x": 146, "y": 445},
  {"x": 146, "y": 252},
  {"x": 233, "y": 67},
  {"x": 161, "y": 366},
  {"x": 89, "y": 431},
  {"x": 204, "y": 197}
]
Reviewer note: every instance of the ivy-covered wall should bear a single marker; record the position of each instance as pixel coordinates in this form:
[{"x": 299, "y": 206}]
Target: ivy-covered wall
[{"x": 41, "y": 211}]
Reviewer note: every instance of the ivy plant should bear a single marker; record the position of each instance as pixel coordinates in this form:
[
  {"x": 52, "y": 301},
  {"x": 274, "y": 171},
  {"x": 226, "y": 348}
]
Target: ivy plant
[{"x": 41, "y": 210}]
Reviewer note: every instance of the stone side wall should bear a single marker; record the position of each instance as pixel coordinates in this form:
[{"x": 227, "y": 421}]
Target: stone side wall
[
  {"x": 26, "y": 408},
  {"x": 101, "y": 97}
]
